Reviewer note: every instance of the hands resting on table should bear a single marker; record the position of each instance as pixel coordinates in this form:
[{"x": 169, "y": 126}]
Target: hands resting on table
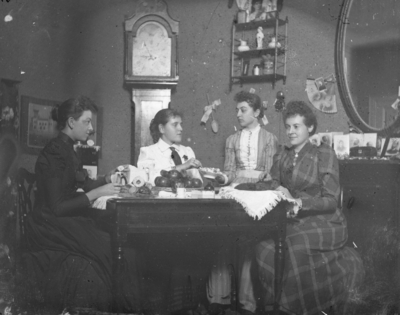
[{"x": 272, "y": 185}]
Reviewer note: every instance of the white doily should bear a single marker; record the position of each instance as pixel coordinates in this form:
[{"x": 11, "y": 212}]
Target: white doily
[{"x": 255, "y": 203}]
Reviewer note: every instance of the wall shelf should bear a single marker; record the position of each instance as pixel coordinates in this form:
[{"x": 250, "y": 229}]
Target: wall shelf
[{"x": 242, "y": 61}]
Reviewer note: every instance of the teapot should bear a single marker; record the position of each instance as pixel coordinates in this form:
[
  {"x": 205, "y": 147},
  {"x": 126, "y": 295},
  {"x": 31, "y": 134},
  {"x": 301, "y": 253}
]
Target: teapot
[
  {"x": 243, "y": 45},
  {"x": 274, "y": 43}
]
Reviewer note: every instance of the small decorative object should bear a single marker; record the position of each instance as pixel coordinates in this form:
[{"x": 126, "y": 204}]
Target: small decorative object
[
  {"x": 270, "y": 7},
  {"x": 321, "y": 93},
  {"x": 256, "y": 70},
  {"x": 268, "y": 64},
  {"x": 315, "y": 140},
  {"x": 243, "y": 45},
  {"x": 320, "y": 84},
  {"x": 395, "y": 105},
  {"x": 242, "y": 16},
  {"x": 279, "y": 101},
  {"x": 356, "y": 140},
  {"x": 208, "y": 110},
  {"x": 257, "y": 11},
  {"x": 246, "y": 65},
  {"x": 341, "y": 145},
  {"x": 244, "y": 8},
  {"x": 260, "y": 37},
  {"x": 274, "y": 43},
  {"x": 327, "y": 138}
]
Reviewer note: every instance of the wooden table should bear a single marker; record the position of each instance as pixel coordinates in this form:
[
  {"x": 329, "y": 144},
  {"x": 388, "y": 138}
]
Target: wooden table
[{"x": 133, "y": 215}]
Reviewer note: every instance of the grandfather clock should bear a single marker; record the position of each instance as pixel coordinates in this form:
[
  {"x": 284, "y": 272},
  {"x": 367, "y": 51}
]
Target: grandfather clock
[{"x": 151, "y": 66}]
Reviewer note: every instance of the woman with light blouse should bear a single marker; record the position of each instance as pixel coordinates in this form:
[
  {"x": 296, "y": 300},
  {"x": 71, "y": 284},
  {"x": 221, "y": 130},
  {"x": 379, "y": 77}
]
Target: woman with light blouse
[{"x": 248, "y": 158}]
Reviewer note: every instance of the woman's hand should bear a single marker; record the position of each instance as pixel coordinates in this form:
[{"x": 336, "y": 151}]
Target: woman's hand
[
  {"x": 105, "y": 190},
  {"x": 110, "y": 175},
  {"x": 285, "y": 191},
  {"x": 191, "y": 163}
]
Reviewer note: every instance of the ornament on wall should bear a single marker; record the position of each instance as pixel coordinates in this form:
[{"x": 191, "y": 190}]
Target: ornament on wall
[
  {"x": 321, "y": 93},
  {"x": 395, "y": 105},
  {"x": 279, "y": 103},
  {"x": 208, "y": 110},
  {"x": 264, "y": 119}
]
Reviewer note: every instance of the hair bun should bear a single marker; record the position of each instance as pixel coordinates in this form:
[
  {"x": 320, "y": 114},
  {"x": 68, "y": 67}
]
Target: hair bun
[{"x": 54, "y": 112}]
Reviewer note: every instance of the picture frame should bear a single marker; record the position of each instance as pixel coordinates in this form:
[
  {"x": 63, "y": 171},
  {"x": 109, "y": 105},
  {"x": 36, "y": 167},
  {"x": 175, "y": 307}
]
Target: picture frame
[
  {"x": 341, "y": 145},
  {"x": 327, "y": 138},
  {"x": 315, "y": 140},
  {"x": 37, "y": 128},
  {"x": 356, "y": 140}
]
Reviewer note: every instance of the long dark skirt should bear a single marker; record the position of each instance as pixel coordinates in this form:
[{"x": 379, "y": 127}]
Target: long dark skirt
[{"x": 72, "y": 263}]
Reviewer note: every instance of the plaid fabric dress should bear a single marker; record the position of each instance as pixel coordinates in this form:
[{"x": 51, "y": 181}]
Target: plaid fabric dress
[{"x": 320, "y": 272}]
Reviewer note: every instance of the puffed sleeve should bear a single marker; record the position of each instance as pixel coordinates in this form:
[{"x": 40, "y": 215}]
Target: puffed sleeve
[
  {"x": 52, "y": 166},
  {"x": 230, "y": 159},
  {"x": 328, "y": 176}
]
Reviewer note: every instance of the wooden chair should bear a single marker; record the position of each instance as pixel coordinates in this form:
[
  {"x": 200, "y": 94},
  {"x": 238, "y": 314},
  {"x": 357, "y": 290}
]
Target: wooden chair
[{"x": 26, "y": 195}]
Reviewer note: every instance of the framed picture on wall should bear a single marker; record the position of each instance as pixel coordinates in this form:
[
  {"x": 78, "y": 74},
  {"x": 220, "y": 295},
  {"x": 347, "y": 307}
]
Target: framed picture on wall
[{"x": 37, "y": 127}]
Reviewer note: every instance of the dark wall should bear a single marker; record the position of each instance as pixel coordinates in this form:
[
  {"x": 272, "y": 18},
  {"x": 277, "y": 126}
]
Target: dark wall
[{"x": 70, "y": 47}]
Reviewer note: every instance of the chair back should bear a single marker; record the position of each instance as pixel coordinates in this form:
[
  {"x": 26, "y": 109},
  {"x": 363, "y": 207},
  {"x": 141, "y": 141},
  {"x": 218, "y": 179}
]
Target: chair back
[{"x": 26, "y": 195}]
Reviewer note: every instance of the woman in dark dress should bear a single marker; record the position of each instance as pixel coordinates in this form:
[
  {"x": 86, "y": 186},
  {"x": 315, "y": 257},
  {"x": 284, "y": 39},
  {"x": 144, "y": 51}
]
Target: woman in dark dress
[
  {"x": 320, "y": 271},
  {"x": 69, "y": 253}
]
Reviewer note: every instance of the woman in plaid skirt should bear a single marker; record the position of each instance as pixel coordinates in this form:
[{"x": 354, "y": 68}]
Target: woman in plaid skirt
[{"x": 320, "y": 272}]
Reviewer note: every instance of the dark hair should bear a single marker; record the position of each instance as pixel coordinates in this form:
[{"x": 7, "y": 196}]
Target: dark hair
[
  {"x": 161, "y": 118},
  {"x": 300, "y": 108},
  {"x": 252, "y": 99},
  {"x": 73, "y": 107}
]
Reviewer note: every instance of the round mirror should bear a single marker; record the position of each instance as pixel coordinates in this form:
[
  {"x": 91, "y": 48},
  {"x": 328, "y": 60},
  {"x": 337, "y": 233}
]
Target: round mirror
[{"x": 368, "y": 64}]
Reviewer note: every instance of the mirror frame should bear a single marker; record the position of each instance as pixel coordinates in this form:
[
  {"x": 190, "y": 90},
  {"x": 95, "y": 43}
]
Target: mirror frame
[{"x": 390, "y": 131}]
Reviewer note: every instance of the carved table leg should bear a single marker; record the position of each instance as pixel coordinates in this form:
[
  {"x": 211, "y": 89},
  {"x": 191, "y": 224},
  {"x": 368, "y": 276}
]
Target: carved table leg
[{"x": 118, "y": 239}]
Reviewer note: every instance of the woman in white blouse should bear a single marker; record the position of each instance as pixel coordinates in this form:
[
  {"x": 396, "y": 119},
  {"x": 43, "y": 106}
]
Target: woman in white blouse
[{"x": 167, "y": 153}]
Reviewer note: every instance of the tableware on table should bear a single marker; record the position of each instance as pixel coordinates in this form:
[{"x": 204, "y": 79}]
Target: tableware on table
[{"x": 180, "y": 192}]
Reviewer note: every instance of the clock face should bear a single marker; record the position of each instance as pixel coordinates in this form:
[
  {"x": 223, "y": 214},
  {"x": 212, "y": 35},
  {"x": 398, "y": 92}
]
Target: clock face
[{"x": 151, "y": 54}]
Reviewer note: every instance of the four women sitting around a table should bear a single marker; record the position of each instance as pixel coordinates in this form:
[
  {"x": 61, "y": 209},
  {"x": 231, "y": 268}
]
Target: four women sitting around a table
[{"x": 72, "y": 255}]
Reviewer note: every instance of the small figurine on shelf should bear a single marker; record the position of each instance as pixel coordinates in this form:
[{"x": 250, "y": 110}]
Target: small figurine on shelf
[
  {"x": 256, "y": 70},
  {"x": 267, "y": 64},
  {"x": 260, "y": 37},
  {"x": 274, "y": 43}
]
